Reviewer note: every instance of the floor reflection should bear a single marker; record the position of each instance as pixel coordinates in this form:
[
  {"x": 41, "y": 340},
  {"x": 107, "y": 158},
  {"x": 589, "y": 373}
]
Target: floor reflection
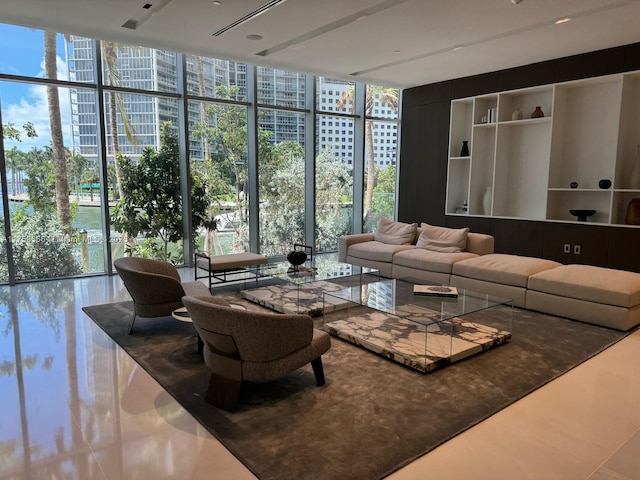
[{"x": 76, "y": 406}]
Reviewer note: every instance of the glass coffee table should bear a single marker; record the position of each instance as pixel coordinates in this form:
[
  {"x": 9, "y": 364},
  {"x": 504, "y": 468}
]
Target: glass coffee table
[
  {"x": 301, "y": 290},
  {"x": 422, "y": 332}
]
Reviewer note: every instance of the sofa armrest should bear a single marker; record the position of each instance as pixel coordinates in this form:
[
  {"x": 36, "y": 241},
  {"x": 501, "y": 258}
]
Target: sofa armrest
[
  {"x": 479, "y": 243},
  {"x": 345, "y": 241}
]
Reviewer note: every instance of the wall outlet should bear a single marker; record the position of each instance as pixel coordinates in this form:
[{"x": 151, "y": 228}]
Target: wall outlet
[
  {"x": 567, "y": 248},
  {"x": 577, "y": 249}
]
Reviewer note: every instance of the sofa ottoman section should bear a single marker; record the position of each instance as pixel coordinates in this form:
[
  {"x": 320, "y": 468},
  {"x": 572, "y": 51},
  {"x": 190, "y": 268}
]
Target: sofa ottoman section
[
  {"x": 499, "y": 274},
  {"x": 427, "y": 265},
  {"x": 602, "y": 296}
]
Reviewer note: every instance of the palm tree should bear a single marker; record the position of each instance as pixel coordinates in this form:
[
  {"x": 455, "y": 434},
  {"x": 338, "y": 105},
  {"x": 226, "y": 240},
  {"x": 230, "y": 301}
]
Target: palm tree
[
  {"x": 384, "y": 96},
  {"x": 57, "y": 140}
]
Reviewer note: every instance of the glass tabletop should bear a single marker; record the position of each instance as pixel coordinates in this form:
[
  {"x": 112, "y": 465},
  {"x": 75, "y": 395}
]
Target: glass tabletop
[
  {"x": 396, "y": 297},
  {"x": 313, "y": 271}
]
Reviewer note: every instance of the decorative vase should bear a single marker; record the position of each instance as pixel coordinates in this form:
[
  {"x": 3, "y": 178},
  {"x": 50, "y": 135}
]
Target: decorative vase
[
  {"x": 537, "y": 113},
  {"x": 604, "y": 183},
  {"x": 486, "y": 201},
  {"x": 573, "y": 184},
  {"x": 516, "y": 115},
  {"x": 633, "y": 212},
  {"x": 634, "y": 180},
  {"x": 464, "y": 151}
]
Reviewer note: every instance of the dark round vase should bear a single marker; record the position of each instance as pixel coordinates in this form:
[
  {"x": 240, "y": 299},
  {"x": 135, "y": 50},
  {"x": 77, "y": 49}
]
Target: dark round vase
[
  {"x": 604, "y": 183},
  {"x": 296, "y": 257}
]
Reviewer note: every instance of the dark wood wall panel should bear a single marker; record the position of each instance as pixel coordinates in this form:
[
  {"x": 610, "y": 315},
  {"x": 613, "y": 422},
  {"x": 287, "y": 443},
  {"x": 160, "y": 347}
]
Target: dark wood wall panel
[
  {"x": 434, "y": 93},
  {"x": 518, "y": 237},
  {"x": 592, "y": 240},
  {"x": 592, "y": 64},
  {"x": 527, "y": 76},
  {"x": 475, "y": 224},
  {"x": 624, "y": 249},
  {"x": 424, "y": 144},
  {"x": 476, "y": 85}
]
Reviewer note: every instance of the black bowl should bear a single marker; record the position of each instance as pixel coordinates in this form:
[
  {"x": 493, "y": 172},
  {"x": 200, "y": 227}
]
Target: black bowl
[
  {"x": 297, "y": 257},
  {"x": 582, "y": 214}
]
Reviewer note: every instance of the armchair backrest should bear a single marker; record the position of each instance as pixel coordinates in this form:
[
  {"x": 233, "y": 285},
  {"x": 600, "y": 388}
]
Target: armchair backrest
[
  {"x": 258, "y": 336},
  {"x": 150, "y": 281}
]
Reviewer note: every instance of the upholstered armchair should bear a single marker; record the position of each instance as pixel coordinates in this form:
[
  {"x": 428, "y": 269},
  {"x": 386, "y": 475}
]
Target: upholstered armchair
[
  {"x": 154, "y": 286},
  {"x": 253, "y": 346}
]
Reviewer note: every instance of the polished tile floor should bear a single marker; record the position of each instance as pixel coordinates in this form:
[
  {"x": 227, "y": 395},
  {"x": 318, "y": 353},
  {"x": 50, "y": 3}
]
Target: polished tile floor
[{"x": 73, "y": 405}]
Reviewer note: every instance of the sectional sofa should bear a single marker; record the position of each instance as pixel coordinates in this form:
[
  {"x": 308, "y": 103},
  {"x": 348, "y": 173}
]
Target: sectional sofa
[{"x": 465, "y": 259}]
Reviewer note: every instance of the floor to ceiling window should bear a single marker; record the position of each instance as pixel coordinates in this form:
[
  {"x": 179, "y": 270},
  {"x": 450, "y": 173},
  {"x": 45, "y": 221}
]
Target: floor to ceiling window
[
  {"x": 218, "y": 151},
  {"x": 147, "y": 115}
]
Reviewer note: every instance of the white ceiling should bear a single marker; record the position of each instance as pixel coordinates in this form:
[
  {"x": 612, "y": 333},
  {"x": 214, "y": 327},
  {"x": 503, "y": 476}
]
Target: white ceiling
[{"x": 401, "y": 43}]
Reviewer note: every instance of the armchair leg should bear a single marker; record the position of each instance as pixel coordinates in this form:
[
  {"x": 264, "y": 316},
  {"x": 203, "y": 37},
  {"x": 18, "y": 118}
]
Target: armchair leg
[
  {"x": 318, "y": 370},
  {"x": 133, "y": 320},
  {"x": 223, "y": 392}
]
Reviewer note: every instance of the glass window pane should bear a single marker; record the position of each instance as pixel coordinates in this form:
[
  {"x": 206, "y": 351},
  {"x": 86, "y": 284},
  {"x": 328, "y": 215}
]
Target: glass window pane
[
  {"x": 211, "y": 77},
  {"x": 382, "y": 102},
  {"x": 218, "y": 148},
  {"x": 281, "y": 88},
  {"x": 335, "y": 95},
  {"x": 334, "y": 182},
  {"x": 146, "y": 153},
  {"x": 49, "y": 233},
  {"x": 380, "y": 172},
  {"x": 26, "y": 52},
  {"x": 281, "y": 182},
  {"x": 139, "y": 67}
]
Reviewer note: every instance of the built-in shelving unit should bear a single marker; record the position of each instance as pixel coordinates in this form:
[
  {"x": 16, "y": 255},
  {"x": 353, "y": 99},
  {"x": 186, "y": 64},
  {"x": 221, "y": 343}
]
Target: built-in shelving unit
[{"x": 590, "y": 131}]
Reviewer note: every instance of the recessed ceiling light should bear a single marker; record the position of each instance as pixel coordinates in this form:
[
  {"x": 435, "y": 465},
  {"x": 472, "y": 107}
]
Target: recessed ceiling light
[
  {"x": 216, "y": 3},
  {"x": 254, "y": 37},
  {"x": 455, "y": 49},
  {"x": 562, "y": 20}
]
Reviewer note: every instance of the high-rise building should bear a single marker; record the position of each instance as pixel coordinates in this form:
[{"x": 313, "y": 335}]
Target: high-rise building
[{"x": 148, "y": 69}]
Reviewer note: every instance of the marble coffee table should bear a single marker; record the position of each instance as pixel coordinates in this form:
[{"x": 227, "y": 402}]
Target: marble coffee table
[
  {"x": 424, "y": 333},
  {"x": 301, "y": 290}
]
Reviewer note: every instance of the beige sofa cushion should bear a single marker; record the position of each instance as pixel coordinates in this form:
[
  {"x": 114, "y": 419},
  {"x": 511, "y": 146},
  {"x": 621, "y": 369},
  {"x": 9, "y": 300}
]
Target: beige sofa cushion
[
  {"x": 442, "y": 239},
  {"x": 423, "y": 259},
  {"x": 502, "y": 268},
  {"x": 376, "y": 251},
  {"x": 593, "y": 284},
  {"x": 395, "y": 233}
]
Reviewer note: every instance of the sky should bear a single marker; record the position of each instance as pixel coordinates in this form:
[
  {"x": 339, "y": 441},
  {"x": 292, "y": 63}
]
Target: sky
[{"x": 21, "y": 53}]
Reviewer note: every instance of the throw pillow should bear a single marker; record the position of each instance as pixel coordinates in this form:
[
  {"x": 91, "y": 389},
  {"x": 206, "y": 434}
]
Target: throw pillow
[
  {"x": 395, "y": 233},
  {"x": 442, "y": 239}
]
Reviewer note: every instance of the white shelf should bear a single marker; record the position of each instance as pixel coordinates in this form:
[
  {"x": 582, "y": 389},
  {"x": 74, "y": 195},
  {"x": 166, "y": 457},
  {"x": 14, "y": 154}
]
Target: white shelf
[
  {"x": 525, "y": 121},
  {"x": 590, "y": 132}
]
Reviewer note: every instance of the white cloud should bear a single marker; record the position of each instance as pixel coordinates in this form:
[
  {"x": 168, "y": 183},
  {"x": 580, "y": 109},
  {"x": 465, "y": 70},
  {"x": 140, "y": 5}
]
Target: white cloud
[{"x": 34, "y": 107}]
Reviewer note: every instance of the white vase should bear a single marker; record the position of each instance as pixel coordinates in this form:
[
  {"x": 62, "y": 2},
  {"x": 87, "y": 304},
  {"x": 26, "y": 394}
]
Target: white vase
[
  {"x": 634, "y": 180},
  {"x": 486, "y": 201}
]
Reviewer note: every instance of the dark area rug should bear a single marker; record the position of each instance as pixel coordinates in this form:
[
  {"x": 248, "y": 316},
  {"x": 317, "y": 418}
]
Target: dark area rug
[{"x": 373, "y": 416}]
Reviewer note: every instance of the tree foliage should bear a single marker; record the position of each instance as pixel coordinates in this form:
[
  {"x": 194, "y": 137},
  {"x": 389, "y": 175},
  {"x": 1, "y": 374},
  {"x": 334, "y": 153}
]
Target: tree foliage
[
  {"x": 152, "y": 202},
  {"x": 282, "y": 193},
  {"x": 41, "y": 248},
  {"x": 11, "y": 132}
]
